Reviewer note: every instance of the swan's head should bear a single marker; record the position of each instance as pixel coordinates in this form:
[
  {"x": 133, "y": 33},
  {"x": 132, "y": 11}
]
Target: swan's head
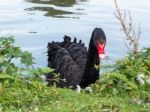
[{"x": 99, "y": 40}]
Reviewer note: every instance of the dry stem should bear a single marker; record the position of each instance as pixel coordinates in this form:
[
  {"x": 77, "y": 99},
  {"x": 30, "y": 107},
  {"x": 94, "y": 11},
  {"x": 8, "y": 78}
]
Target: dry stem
[{"x": 132, "y": 38}]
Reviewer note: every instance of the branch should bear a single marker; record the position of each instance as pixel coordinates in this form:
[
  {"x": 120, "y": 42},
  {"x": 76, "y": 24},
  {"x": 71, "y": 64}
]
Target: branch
[{"x": 131, "y": 37}]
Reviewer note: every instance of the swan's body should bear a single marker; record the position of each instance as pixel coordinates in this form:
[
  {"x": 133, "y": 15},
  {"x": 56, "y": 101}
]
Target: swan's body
[{"x": 74, "y": 63}]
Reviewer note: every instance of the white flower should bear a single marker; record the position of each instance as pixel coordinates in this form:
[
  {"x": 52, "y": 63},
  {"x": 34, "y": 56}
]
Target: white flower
[
  {"x": 148, "y": 80},
  {"x": 78, "y": 88},
  {"x": 140, "y": 76},
  {"x": 36, "y": 109},
  {"x": 43, "y": 77},
  {"x": 1, "y": 108},
  {"x": 64, "y": 80},
  {"x": 142, "y": 82},
  {"x": 89, "y": 89}
]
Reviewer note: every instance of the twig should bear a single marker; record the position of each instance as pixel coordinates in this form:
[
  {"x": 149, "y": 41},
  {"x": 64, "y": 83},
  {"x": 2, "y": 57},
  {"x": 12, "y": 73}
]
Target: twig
[{"x": 132, "y": 38}]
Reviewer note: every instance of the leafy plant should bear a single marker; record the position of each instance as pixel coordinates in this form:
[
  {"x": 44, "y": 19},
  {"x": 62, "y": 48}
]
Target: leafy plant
[
  {"x": 130, "y": 76},
  {"x": 9, "y": 54}
]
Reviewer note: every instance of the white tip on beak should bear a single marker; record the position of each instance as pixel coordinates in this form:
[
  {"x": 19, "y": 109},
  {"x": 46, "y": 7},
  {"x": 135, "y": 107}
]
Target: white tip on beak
[{"x": 102, "y": 56}]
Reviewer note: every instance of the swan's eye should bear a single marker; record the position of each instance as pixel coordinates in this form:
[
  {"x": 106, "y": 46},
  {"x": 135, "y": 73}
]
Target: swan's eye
[{"x": 101, "y": 49}]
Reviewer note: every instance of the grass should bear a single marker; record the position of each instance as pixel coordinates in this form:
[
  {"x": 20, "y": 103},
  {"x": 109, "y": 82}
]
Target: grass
[{"x": 34, "y": 96}]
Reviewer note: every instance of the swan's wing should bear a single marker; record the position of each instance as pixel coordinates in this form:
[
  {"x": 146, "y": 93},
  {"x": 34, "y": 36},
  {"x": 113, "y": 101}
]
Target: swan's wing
[
  {"x": 78, "y": 54},
  {"x": 77, "y": 51},
  {"x": 60, "y": 59}
]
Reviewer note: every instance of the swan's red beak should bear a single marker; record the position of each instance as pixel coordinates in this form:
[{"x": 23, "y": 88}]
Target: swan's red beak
[{"x": 101, "y": 50}]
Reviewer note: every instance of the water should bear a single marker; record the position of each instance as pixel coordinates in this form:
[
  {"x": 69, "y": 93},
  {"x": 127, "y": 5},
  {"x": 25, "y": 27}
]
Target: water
[{"x": 34, "y": 23}]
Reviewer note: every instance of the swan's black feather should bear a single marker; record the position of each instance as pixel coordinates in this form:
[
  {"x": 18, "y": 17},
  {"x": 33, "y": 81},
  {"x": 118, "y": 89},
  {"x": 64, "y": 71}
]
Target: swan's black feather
[
  {"x": 60, "y": 59},
  {"x": 73, "y": 61}
]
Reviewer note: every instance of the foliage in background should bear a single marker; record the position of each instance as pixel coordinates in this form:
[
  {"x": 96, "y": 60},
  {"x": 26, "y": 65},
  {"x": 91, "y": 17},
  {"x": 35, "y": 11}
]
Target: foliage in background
[
  {"x": 10, "y": 54},
  {"x": 14, "y": 62}
]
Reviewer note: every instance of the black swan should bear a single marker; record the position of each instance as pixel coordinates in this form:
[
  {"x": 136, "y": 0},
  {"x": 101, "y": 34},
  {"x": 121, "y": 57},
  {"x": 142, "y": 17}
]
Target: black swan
[{"x": 73, "y": 63}]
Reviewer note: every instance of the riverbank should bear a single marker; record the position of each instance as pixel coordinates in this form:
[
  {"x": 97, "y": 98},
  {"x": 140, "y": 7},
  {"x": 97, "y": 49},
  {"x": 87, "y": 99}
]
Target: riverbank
[{"x": 124, "y": 89}]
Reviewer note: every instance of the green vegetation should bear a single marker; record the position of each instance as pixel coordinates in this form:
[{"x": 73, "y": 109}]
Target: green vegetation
[
  {"x": 126, "y": 88},
  {"x": 129, "y": 78}
]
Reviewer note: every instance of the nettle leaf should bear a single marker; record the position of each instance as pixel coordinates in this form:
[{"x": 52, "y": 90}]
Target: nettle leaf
[
  {"x": 17, "y": 52},
  {"x": 11, "y": 68},
  {"x": 47, "y": 70},
  {"x": 9, "y": 52},
  {"x": 39, "y": 71},
  {"x": 5, "y": 76},
  {"x": 103, "y": 87},
  {"x": 11, "y": 39},
  {"x": 2, "y": 59},
  {"x": 27, "y": 58}
]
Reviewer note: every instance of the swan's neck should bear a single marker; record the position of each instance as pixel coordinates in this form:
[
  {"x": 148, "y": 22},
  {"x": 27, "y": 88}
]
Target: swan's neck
[
  {"x": 91, "y": 74},
  {"x": 92, "y": 58}
]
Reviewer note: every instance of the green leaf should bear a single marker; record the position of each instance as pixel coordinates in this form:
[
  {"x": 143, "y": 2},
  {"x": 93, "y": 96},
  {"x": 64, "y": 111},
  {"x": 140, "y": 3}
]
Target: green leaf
[
  {"x": 27, "y": 58},
  {"x": 47, "y": 70},
  {"x": 11, "y": 39},
  {"x": 6, "y": 76}
]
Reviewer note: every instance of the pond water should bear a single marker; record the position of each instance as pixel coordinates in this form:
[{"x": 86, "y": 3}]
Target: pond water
[{"x": 34, "y": 23}]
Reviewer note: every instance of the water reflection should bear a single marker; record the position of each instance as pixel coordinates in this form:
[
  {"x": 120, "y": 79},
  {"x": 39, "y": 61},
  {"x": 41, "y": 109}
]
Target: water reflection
[
  {"x": 62, "y": 3},
  {"x": 52, "y": 12}
]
